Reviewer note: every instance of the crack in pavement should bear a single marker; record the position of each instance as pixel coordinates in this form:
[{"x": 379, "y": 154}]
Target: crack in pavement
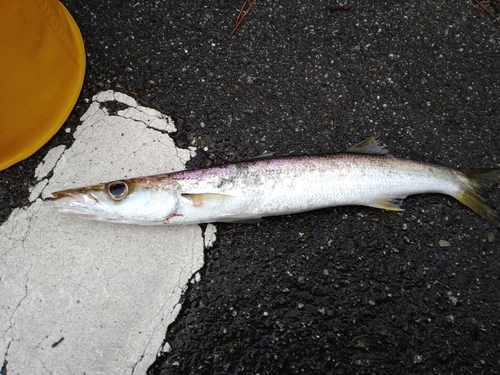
[
  {"x": 10, "y": 328},
  {"x": 31, "y": 225}
]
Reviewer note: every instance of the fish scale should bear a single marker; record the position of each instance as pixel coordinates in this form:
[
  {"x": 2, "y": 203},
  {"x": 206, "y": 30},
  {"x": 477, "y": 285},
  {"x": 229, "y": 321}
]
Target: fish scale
[{"x": 296, "y": 184}]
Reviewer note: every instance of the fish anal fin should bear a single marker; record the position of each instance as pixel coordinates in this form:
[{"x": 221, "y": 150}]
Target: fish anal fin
[
  {"x": 199, "y": 198},
  {"x": 370, "y": 146},
  {"x": 391, "y": 204}
]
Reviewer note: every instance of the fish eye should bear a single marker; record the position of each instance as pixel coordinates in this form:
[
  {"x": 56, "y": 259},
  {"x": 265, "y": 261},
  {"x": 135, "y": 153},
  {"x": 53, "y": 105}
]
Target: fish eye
[{"x": 117, "y": 190}]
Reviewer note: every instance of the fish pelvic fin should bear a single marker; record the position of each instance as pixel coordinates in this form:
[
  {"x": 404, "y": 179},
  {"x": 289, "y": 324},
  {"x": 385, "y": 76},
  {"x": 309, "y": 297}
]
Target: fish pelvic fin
[
  {"x": 391, "y": 204},
  {"x": 480, "y": 179}
]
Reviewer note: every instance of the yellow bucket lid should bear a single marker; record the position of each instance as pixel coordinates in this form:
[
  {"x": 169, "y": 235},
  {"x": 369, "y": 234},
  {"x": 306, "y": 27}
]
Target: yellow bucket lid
[{"x": 42, "y": 66}]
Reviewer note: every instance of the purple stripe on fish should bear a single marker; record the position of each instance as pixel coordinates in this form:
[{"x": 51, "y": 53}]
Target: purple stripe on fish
[{"x": 280, "y": 163}]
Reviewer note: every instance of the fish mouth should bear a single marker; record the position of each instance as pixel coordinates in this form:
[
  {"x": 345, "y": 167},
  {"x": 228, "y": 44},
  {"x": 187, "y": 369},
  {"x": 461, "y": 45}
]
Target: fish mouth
[
  {"x": 76, "y": 192},
  {"x": 75, "y": 202},
  {"x": 73, "y": 196},
  {"x": 58, "y": 195}
]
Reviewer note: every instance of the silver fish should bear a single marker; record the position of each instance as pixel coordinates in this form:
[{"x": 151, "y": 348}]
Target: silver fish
[{"x": 365, "y": 174}]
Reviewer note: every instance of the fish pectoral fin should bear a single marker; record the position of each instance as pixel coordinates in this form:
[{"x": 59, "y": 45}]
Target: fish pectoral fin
[
  {"x": 391, "y": 204},
  {"x": 199, "y": 198},
  {"x": 371, "y": 146}
]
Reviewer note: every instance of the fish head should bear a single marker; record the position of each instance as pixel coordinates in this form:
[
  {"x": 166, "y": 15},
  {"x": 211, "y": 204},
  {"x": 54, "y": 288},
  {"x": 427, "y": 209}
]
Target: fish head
[{"x": 146, "y": 201}]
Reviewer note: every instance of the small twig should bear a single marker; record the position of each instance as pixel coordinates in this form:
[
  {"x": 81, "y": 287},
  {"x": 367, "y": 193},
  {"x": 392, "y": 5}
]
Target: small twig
[
  {"x": 496, "y": 5},
  {"x": 487, "y": 11},
  {"x": 317, "y": 49},
  {"x": 57, "y": 342},
  {"x": 437, "y": 282},
  {"x": 242, "y": 14},
  {"x": 238, "y": 19},
  {"x": 334, "y": 8}
]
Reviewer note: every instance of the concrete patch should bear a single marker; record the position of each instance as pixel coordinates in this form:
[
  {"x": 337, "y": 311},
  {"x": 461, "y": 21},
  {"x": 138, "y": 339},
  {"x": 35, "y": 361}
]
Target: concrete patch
[{"x": 89, "y": 297}]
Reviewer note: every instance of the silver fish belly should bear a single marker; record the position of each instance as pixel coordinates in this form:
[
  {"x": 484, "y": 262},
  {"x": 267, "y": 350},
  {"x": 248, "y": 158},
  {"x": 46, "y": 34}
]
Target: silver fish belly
[{"x": 297, "y": 184}]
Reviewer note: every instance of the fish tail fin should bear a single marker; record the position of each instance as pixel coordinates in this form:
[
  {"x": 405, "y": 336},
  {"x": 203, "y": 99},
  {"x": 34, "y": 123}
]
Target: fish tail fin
[{"x": 480, "y": 179}]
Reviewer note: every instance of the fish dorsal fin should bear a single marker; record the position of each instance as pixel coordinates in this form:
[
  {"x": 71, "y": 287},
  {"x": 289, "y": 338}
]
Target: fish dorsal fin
[{"x": 370, "y": 146}]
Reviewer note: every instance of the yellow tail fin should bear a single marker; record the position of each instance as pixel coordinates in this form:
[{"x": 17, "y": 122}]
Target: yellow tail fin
[{"x": 480, "y": 179}]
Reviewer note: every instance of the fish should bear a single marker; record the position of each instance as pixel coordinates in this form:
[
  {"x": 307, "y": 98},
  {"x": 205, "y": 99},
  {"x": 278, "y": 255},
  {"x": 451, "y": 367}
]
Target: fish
[{"x": 365, "y": 174}]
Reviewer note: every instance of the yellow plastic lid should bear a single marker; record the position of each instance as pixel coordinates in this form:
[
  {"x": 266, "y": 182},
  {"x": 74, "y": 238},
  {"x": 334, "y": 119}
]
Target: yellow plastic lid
[{"x": 42, "y": 66}]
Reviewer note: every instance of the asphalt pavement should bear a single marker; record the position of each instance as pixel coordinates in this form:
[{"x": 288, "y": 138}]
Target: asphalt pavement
[{"x": 348, "y": 290}]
